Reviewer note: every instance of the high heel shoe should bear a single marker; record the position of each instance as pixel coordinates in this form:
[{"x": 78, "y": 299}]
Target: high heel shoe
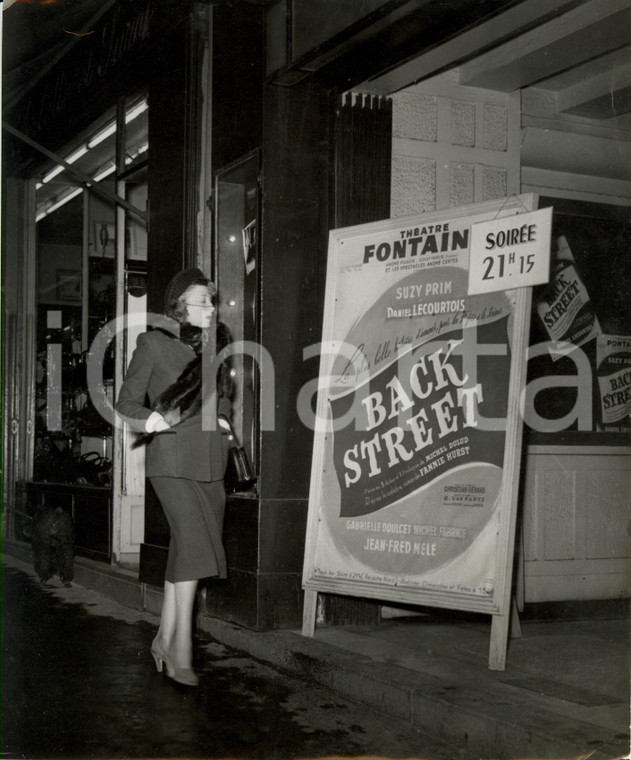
[
  {"x": 186, "y": 676},
  {"x": 159, "y": 656}
]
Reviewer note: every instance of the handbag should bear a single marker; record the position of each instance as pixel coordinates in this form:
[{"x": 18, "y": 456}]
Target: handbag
[
  {"x": 94, "y": 470},
  {"x": 239, "y": 475}
]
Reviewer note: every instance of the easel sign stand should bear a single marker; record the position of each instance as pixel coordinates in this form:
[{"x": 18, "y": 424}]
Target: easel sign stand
[{"x": 418, "y": 428}]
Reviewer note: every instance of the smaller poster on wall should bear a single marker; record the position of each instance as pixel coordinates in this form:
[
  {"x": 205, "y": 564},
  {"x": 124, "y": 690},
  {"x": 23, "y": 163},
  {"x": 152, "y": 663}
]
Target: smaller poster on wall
[
  {"x": 613, "y": 362},
  {"x": 565, "y": 308},
  {"x": 249, "y": 246}
]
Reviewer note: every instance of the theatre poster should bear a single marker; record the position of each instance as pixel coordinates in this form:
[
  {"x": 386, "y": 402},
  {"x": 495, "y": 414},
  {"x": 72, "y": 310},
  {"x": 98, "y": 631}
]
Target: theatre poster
[
  {"x": 613, "y": 360},
  {"x": 417, "y": 432}
]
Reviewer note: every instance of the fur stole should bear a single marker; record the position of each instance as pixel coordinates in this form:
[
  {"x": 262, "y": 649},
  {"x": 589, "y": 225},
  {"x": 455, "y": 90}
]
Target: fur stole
[{"x": 183, "y": 399}]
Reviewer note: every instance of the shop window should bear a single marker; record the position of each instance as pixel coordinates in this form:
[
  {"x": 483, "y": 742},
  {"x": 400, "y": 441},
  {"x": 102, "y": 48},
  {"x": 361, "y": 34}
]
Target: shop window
[
  {"x": 237, "y": 272},
  {"x": 77, "y": 231},
  {"x": 587, "y": 378}
]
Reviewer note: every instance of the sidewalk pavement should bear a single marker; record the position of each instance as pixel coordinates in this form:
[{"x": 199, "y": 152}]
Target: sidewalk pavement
[{"x": 565, "y": 691}]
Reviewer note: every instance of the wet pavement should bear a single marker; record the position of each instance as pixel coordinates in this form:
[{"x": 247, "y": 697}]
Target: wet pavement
[{"x": 78, "y": 682}]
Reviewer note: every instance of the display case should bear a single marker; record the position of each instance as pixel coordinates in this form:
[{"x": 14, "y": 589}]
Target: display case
[
  {"x": 580, "y": 341},
  {"x": 91, "y": 259},
  {"x": 72, "y": 441},
  {"x": 237, "y": 274}
]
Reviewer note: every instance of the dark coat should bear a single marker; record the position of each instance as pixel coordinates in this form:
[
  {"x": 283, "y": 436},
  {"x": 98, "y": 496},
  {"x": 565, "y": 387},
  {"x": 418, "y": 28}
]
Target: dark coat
[{"x": 185, "y": 450}]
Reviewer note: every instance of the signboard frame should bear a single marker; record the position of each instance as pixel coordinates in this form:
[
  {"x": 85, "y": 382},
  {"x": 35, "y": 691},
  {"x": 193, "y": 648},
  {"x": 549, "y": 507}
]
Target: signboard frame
[{"x": 499, "y": 604}]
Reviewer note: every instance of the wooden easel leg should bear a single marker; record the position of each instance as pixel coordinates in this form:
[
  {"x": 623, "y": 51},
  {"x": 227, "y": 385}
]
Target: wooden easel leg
[
  {"x": 309, "y": 613},
  {"x": 520, "y": 583},
  {"x": 500, "y": 627},
  {"x": 515, "y": 625},
  {"x": 499, "y": 642}
]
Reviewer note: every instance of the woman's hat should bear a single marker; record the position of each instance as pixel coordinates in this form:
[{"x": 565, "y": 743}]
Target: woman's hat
[{"x": 181, "y": 282}]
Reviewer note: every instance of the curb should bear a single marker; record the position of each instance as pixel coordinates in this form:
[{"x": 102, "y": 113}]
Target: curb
[
  {"x": 453, "y": 705},
  {"x": 496, "y": 723}
]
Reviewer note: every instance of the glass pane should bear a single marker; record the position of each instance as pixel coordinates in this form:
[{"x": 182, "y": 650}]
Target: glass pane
[
  {"x": 237, "y": 246},
  {"x": 136, "y": 131},
  {"x": 60, "y": 296},
  {"x": 76, "y": 250}
]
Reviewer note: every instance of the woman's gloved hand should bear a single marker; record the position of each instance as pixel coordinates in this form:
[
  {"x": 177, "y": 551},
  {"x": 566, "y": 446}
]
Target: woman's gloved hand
[{"x": 156, "y": 423}]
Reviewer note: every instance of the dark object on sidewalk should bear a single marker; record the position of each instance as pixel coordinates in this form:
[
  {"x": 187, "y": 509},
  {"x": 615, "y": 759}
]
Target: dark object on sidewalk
[
  {"x": 239, "y": 475},
  {"x": 52, "y": 539}
]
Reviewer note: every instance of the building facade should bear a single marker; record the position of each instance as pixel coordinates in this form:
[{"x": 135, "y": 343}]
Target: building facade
[{"x": 236, "y": 136}]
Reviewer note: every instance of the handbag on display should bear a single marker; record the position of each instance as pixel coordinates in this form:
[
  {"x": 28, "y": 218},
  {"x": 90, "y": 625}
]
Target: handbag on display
[
  {"x": 94, "y": 470},
  {"x": 239, "y": 473}
]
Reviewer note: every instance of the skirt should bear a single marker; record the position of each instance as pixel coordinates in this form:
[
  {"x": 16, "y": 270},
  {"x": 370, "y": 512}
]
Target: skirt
[{"x": 195, "y": 512}]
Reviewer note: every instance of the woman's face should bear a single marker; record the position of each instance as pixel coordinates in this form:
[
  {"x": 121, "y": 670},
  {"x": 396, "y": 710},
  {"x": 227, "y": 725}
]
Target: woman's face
[{"x": 199, "y": 306}]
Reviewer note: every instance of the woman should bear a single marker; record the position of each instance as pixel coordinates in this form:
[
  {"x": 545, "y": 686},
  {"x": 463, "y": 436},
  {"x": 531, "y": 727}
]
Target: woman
[{"x": 184, "y": 463}]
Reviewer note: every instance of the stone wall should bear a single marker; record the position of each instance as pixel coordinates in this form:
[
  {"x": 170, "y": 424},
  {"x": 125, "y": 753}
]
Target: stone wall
[{"x": 452, "y": 146}]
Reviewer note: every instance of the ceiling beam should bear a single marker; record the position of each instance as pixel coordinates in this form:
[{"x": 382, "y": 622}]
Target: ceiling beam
[
  {"x": 594, "y": 28},
  {"x": 464, "y": 46},
  {"x": 606, "y": 106},
  {"x": 601, "y": 97}
]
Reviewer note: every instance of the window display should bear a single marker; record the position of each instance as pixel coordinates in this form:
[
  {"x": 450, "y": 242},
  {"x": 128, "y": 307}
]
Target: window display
[
  {"x": 76, "y": 291},
  {"x": 580, "y": 317},
  {"x": 237, "y": 265}
]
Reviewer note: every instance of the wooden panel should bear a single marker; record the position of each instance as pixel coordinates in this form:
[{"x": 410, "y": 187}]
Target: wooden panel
[
  {"x": 559, "y": 498},
  {"x": 363, "y": 170},
  {"x": 589, "y": 586},
  {"x": 363, "y": 160},
  {"x": 532, "y": 486},
  {"x": 576, "y": 520},
  {"x": 607, "y": 514}
]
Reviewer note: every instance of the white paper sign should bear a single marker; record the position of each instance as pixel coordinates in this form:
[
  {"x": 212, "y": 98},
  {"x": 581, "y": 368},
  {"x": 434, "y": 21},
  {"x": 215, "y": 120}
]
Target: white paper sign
[{"x": 510, "y": 252}]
